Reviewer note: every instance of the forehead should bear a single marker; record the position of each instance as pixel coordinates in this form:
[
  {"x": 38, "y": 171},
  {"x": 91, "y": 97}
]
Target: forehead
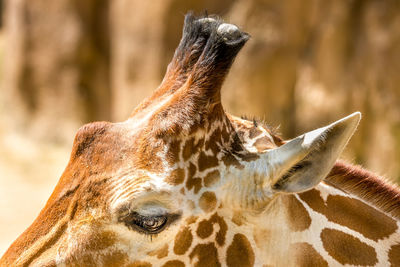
[
  {"x": 129, "y": 145},
  {"x": 148, "y": 192},
  {"x": 132, "y": 157}
]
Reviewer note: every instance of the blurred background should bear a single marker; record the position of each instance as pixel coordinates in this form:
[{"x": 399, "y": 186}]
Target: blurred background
[{"x": 68, "y": 62}]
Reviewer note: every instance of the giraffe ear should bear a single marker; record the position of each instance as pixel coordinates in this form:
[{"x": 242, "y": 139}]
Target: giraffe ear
[{"x": 303, "y": 162}]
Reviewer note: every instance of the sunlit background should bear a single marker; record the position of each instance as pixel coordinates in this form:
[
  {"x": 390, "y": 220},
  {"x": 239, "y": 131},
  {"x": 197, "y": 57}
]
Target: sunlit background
[{"x": 64, "y": 63}]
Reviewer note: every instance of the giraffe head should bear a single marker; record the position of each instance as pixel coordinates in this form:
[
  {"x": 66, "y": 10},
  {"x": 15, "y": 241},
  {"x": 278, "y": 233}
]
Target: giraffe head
[{"x": 181, "y": 181}]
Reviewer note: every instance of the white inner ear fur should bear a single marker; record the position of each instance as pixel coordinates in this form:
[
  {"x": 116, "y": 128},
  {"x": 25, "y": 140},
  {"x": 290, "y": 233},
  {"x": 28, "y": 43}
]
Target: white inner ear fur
[{"x": 303, "y": 162}]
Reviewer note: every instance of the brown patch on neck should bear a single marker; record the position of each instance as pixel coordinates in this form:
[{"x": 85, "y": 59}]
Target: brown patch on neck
[
  {"x": 206, "y": 255},
  {"x": 160, "y": 253},
  {"x": 347, "y": 249},
  {"x": 208, "y": 201},
  {"x": 238, "y": 218},
  {"x": 116, "y": 258},
  {"x": 223, "y": 228},
  {"x": 173, "y": 263},
  {"x": 211, "y": 178},
  {"x": 394, "y": 255},
  {"x": 192, "y": 181},
  {"x": 230, "y": 160},
  {"x": 206, "y": 162},
  {"x": 205, "y": 228},
  {"x": 214, "y": 141},
  {"x": 365, "y": 185},
  {"x": 173, "y": 151},
  {"x": 176, "y": 177},
  {"x": 192, "y": 219},
  {"x": 298, "y": 217},
  {"x": 305, "y": 255},
  {"x": 183, "y": 240},
  {"x": 139, "y": 264},
  {"x": 188, "y": 149},
  {"x": 240, "y": 252},
  {"x": 352, "y": 213}
]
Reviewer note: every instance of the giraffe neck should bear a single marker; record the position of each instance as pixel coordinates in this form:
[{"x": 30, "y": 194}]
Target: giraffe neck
[{"x": 331, "y": 226}]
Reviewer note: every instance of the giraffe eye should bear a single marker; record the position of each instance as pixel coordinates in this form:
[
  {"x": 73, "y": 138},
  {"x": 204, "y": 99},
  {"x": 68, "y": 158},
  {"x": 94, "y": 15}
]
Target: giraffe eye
[{"x": 148, "y": 224}]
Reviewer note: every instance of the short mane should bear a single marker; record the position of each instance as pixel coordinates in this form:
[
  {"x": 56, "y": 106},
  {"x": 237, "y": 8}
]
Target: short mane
[{"x": 367, "y": 186}]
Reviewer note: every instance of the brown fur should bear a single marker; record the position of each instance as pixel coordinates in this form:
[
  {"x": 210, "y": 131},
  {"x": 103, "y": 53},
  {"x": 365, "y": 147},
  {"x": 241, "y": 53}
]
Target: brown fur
[
  {"x": 174, "y": 263},
  {"x": 160, "y": 253},
  {"x": 240, "y": 252},
  {"x": 347, "y": 249},
  {"x": 306, "y": 256},
  {"x": 394, "y": 255},
  {"x": 206, "y": 255},
  {"x": 352, "y": 213},
  {"x": 208, "y": 201},
  {"x": 183, "y": 240},
  {"x": 298, "y": 217},
  {"x": 205, "y": 228},
  {"x": 366, "y": 185},
  {"x": 211, "y": 178}
]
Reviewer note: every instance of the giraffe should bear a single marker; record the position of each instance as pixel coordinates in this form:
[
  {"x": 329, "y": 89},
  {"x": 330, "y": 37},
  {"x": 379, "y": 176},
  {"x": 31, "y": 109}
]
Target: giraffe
[{"x": 183, "y": 183}]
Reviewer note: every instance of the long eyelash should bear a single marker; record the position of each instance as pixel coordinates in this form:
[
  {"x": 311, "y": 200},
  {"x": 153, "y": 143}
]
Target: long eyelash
[{"x": 151, "y": 236}]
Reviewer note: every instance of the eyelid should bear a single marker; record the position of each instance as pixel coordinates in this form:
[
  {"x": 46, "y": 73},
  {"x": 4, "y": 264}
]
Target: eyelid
[
  {"x": 151, "y": 210},
  {"x": 129, "y": 220}
]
